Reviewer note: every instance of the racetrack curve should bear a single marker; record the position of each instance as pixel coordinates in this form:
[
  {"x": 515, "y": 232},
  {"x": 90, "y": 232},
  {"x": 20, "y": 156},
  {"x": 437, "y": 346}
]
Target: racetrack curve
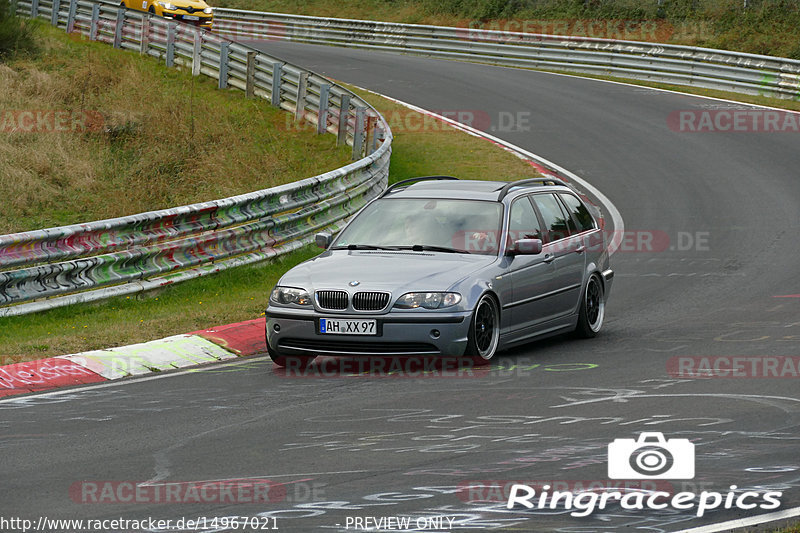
[{"x": 352, "y": 447}]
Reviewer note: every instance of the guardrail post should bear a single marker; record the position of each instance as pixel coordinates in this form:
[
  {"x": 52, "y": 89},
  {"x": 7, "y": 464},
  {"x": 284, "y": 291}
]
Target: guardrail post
[
  {"x": 277, "y": 72},
  {"x": 358, "y": 132},
  {"x": 144, "y": 42},
  {"x": 34, "y": 8},
  {"x": 377, "y": 134},
  {"x": 370, "y": 133},
  {"x": 54, "y": 13},
  {"x": 73, "y": 8},
  {"x": 171, "y": 43},
  {"x": 197, "y": 58},
  {"x": 344, "y": 117},
  {"x": 118, "y": 27},
  {"x": 302, "y": 86},
  {"x": 251, "y": 74},
  {"x": 95, "y": 18},
  {"x": 322, "y": 118},
  {"x": 224, "y": 51}
]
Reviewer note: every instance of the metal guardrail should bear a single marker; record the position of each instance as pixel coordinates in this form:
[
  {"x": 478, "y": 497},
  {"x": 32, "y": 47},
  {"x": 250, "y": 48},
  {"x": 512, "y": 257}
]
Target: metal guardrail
[
  {"x": 667, "y": 63},
  {"x": 52, "y": 267}
]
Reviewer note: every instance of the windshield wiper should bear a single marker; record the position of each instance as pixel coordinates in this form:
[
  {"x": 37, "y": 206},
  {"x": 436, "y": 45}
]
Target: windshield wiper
[
  {"x": 361, "y": 247},
  {"x": 432, "y": 248}
]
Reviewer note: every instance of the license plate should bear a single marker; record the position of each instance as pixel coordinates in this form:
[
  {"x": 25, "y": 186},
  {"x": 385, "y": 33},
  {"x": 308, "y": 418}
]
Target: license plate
[
  {"x": 336, "y": 326},
  {"x": 190, "y": 17}
]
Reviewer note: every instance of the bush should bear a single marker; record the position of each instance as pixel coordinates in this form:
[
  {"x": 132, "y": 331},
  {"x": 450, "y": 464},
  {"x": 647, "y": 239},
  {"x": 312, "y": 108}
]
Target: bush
[{"x": 16, "y": 34}]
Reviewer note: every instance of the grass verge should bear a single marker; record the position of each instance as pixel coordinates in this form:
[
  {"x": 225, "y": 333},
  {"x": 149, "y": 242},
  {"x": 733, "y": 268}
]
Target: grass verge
[
  {"x": 137, "y": 137},
  {"x": 426, "y": 148}
]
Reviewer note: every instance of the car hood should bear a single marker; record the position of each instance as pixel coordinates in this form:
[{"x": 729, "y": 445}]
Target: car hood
[
  {"x": 197, "y": 4},
  {"x": 397, "y": 272}
]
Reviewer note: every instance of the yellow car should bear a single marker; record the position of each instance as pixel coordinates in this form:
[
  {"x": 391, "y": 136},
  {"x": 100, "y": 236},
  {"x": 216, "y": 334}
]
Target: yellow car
[{"x": 195, "y": 12}]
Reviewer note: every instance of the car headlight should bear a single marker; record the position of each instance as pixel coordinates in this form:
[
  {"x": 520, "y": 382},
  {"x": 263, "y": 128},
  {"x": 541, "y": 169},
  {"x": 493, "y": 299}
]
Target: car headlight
[
  {"x": 208, "y": 10},
  {"x": 428, "y": 300},
  {"x": 290, "y": 295},
  {"x": 168, "y": 6}
]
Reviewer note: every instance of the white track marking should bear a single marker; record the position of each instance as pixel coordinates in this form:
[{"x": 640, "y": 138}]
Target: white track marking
[
  {"x": 745, "y": 522},
  {"x": 634, "y": 396}
]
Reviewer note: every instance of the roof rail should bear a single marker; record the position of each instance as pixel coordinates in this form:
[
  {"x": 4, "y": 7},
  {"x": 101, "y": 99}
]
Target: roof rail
[
  {"x": 530, "y": 181},
  {"x": 414, "y": 180}
]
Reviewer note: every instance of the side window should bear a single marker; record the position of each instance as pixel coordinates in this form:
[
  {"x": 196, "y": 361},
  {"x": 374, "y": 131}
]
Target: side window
[
  {"x": 578, "y": 212},
  {"x": 555, "y": 220},
  {"x": 523, "y": 223}
]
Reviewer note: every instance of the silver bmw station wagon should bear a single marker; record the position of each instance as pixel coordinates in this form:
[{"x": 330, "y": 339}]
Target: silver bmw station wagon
[{"x": 441, "y": 266}]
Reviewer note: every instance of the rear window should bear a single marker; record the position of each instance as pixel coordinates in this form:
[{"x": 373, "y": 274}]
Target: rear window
[
  {"x": 578, "y": 211},
  {"x": 555, "y": 220}
]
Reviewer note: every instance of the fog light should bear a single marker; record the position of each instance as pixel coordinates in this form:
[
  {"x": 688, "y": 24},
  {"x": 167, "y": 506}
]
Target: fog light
[
  {"x": 435, "y": 333},
  {"x": 276, "y": 328}
]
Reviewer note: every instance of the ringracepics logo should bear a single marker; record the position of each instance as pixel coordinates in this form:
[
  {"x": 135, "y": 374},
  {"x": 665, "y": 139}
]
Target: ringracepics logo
[
  {"x": 651, "y": 457},
  {"x": 648, "y": 457}
]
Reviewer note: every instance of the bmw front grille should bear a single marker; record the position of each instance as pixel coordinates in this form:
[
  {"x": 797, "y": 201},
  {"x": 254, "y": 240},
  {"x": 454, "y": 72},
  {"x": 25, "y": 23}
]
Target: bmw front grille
[
  {"x": 332, "y": 300},
  {"x": 370, "y": 301}
]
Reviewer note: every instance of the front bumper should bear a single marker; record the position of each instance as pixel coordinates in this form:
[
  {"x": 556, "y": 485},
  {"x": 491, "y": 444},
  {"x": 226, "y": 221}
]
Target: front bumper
[
  {"x": 399, "y": 334},
  {"x": 203, "y": 20}
]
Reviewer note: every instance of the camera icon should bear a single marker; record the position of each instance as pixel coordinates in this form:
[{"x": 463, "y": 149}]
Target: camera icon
[{"x": 651, "y": 457}]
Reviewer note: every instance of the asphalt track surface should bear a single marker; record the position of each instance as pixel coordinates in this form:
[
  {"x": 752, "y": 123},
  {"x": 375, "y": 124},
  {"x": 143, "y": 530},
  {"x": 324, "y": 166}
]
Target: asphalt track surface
[{"x": 356, "y": 447}]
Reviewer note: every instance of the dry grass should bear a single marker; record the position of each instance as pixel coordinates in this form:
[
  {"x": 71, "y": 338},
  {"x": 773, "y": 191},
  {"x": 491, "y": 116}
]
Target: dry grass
[{"x": 160, "y": 139}]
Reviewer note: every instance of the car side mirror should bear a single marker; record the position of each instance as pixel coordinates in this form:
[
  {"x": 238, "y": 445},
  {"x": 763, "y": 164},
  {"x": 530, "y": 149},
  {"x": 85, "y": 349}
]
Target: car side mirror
[
  {"x": 526, "y": 247},
  {"x": 323, "y": 240}
]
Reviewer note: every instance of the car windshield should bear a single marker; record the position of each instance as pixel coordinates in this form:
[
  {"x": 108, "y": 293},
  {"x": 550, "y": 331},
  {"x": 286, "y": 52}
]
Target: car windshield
[{"x": 440, "y": 225}]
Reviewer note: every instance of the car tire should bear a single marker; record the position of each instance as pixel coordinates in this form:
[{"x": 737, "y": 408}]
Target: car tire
[
  {"x": 152, "y": 10},
  {"x": 484, "y": 331},
  {"x": 290, "y": 362},
  {"x": 593, "y": 309}
]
